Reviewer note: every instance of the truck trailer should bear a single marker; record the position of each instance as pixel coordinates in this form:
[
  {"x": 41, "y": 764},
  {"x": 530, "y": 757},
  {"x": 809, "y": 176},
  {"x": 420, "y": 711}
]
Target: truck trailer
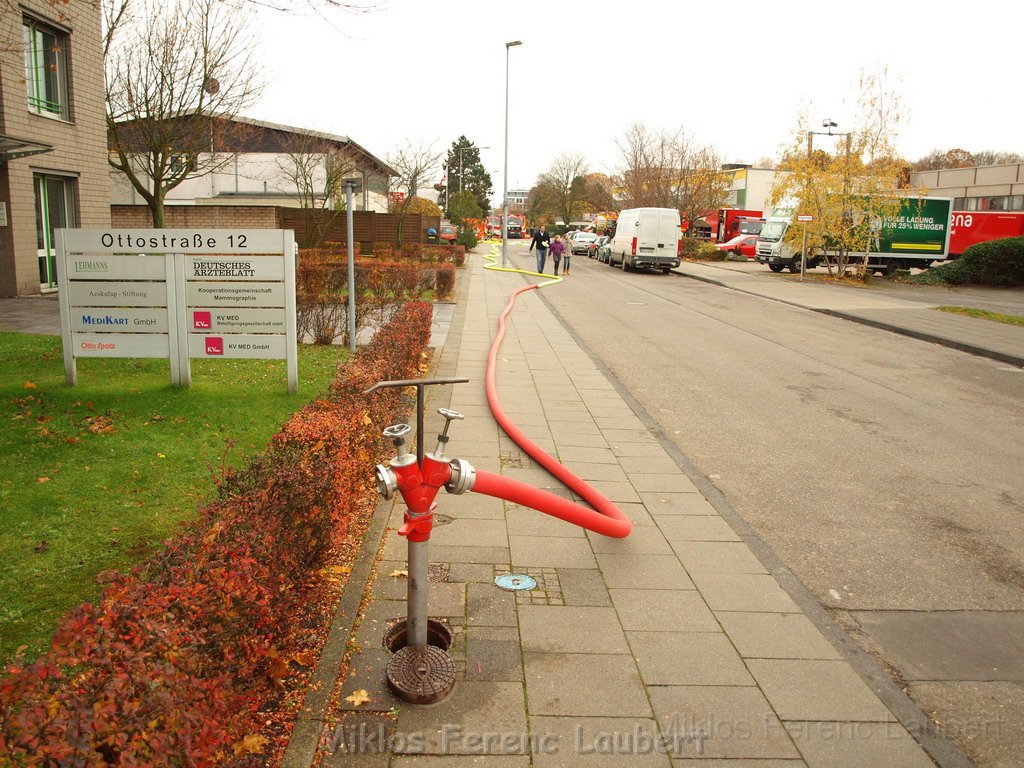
[
  {"x": 970, "y": 227},
  {"x": 915, "y": 237}
]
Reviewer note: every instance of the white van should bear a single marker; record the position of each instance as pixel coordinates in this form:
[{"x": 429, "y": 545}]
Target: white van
[{"x": 646, "y": 237}]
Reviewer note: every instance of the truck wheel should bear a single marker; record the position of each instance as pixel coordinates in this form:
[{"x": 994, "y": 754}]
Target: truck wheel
[
  {"x": 624, "y": 267},
  {"x": 891, "y": 266},
  {"x": 776, "y": 267},
  {"x": 665, "y": 270},
  {"x": 794, "y": 265}
]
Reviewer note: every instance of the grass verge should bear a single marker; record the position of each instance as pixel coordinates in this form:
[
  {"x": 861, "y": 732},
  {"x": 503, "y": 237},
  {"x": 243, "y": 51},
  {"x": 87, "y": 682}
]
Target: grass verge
[
  {"x": 984, "y": 314},
  {"x": 98, "y": 475}
]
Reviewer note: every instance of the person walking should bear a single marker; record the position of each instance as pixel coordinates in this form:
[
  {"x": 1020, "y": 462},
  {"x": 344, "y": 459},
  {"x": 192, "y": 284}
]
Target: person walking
[
  {"x": 542, "y": 240},
  {"x": 557, "y": 250},
  {"x": 568, "y": 256}
]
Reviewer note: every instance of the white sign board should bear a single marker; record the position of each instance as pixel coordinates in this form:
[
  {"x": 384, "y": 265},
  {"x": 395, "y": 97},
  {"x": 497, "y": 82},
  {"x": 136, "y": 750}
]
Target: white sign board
[
  {"x": 805, "y": 217},
  {"x": 178, "y": 294}
]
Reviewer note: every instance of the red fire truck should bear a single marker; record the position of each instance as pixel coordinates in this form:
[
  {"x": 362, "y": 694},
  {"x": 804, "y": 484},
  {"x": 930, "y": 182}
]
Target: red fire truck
[
  {"x": 516, "y": 226},
  {"x": 970, "y": 227},
  {"x": 736, "y": 221}
]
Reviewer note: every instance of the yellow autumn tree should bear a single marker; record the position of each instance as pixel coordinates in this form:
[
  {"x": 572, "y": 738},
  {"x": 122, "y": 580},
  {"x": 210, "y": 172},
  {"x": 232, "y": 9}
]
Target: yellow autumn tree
[{"x": 851, "y": 185}]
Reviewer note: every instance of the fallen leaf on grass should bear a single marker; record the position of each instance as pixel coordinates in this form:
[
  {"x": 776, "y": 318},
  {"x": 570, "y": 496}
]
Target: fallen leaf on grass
[
  {"x": 358, "y": 697},
  {"x": 252, "y": 744},
  {"x": 41, "y": 547},
  {"x": 29, "y": 385},
  {"x": 403, "y": 574},
  {"x": 42, "y": 479}
]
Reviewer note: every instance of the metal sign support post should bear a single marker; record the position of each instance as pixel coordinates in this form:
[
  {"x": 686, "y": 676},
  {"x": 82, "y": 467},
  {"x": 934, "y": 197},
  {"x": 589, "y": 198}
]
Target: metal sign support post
[
  {"x": 70, "y": 369},
  {"x": 290, "y": 327},
  {"x": 349, "y": 187},
  {"x": 803, "y": 218},
  {"x": 803, "y": 254}
]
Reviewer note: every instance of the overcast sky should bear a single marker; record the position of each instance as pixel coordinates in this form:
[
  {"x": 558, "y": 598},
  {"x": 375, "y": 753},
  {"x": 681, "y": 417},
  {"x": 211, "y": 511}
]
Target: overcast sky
[{"x": 734, "y": 75}]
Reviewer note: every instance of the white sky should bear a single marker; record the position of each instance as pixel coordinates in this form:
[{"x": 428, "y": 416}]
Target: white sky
[{"x": 734, "y": 75}]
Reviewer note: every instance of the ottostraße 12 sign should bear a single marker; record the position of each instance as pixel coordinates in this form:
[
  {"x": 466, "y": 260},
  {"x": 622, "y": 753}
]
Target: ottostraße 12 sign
[{"x": 177, "y": 294}]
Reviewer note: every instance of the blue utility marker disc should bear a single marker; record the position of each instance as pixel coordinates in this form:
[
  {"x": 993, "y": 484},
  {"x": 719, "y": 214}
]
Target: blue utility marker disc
[{"x": 515, "y": 582}]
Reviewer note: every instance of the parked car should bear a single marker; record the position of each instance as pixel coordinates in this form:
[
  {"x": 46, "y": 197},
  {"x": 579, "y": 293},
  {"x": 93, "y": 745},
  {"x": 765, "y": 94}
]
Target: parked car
[
  {"x": 448, "y": 233},
  {"x": 604, "y": 251},
  {"x": 581, "y": 243},
  {"x": 593, "y": 246},
  {"x": 741, "y": 245}
]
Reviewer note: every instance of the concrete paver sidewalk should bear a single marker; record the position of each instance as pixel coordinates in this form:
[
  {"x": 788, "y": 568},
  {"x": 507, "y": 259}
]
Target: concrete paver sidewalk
[
  {"x": 675, "y": 646},
  {"x": 911, "y": 318}
]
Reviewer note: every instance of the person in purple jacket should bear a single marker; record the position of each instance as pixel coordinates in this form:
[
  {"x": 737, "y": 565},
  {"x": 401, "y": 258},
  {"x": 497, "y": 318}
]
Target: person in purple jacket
[{"x": 556, "y": 251}]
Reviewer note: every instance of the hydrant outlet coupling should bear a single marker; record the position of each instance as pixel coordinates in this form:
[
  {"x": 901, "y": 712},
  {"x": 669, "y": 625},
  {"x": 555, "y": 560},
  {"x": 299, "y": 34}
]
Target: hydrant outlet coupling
[
  {"x": 387, "y": 481},
  {"x": 463, "y": 477}
]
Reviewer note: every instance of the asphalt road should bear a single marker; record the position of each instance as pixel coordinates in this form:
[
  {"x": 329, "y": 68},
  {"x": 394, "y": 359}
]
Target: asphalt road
[{"x": 885, "y": 472}]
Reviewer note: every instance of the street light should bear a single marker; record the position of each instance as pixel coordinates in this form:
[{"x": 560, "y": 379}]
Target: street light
[
  {"x": 351, "y": 186},
  {"x": 828, "y": 125},
  {"x": 459, "y": 151},
  {"x": 504, "y": 176}
]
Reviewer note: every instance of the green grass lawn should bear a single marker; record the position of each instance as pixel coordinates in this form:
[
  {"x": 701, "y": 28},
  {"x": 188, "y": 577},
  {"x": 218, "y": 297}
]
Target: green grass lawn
[
  {"x": 98, "y": 475},
  {"x": 984, "y": 314}
]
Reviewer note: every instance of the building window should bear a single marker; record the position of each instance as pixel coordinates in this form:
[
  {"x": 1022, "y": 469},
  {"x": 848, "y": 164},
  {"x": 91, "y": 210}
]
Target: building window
[{"x": 46, "y": 69}]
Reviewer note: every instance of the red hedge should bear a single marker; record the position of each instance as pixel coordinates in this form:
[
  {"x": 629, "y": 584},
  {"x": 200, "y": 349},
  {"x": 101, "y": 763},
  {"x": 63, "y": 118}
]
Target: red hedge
[{"x": 171, "y": 665}]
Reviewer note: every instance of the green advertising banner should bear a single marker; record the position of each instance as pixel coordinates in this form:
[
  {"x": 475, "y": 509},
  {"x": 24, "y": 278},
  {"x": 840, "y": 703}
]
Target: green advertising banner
[{"x": 920, "y": 227}]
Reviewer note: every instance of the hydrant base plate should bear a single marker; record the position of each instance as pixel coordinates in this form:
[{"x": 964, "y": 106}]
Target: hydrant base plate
[
  {"x": 421, "y": 674},
  {"x": 515, "y": 582}
]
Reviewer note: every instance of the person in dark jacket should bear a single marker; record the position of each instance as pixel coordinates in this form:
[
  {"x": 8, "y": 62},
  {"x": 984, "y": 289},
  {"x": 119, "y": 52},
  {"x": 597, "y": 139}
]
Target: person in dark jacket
[{"x": 542, "y": 241}]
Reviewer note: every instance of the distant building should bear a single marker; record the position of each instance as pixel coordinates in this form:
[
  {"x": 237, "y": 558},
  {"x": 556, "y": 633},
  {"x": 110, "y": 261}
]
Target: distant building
[
  {"x": 255, "y": 166},
  {"x": 53, "y": 160},
  {"x": 517, "y": 200},
  {"x": 980, "y": 188},
  {"x": 749, "y": 187}
]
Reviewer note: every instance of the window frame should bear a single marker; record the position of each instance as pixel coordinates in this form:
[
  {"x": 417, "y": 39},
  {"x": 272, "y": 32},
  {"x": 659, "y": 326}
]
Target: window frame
[{"x": 40, "y": 100}]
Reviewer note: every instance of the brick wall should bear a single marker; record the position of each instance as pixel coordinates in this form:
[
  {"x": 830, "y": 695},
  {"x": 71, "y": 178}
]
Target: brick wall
[
  {"x": 198, "y": 217},
  {"x": 80, "y": 142}
]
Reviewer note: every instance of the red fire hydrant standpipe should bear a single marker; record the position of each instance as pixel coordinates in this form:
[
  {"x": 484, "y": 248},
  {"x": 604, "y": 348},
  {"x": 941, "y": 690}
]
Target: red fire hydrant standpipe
[{"x": 607, "y": 520}]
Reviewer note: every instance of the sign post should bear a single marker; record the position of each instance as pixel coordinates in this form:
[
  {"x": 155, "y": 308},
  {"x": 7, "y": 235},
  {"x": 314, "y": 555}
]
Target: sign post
[
  {"x": 803, "y": 218},
  {"x": 178, "y": 294}
]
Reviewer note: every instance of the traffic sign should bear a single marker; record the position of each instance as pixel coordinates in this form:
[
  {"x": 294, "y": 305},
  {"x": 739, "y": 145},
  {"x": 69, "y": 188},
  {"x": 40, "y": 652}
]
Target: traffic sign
[{"x": 805, "y": 217}]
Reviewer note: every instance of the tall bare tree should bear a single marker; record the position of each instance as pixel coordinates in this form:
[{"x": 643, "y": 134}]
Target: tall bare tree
[
  {"x": 663, "y": 170},
  {"x": 174, "y": 73},
  {"x": 316, "y": 167},
  {"x": 560, "y": 192},
  {"x": 416, "y": 164}
]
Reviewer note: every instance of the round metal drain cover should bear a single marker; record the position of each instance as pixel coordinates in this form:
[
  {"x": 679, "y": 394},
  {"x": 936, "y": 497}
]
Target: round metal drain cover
[
  {"x": 440, "y": 519},
  {"x": 515, "y": 582},
  {"x": 421, "y": 674}
]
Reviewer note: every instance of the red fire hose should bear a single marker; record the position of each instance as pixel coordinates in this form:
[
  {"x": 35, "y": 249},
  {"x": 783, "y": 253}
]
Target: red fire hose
[{"x": 608, "y": 519}]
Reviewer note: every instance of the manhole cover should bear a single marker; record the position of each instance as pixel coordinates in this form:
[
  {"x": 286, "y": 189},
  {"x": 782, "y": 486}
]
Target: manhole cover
[
  {"x": 440, "y": 519},
  {"x": 515, "y": 582},
  {"x": 421, "y": 675}
]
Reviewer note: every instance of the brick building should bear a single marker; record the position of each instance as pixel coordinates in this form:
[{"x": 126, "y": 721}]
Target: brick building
[{"x": 53, "y": 139}]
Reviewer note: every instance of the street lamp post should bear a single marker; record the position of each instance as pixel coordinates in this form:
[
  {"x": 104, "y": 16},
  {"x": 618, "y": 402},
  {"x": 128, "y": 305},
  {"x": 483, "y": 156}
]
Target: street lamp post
[
  {"x": 828, "y": 125},
  {"x": 351, "y": 186},
  {"x": 459, "y": 151},
  {"x": 504, "y": 176}
]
